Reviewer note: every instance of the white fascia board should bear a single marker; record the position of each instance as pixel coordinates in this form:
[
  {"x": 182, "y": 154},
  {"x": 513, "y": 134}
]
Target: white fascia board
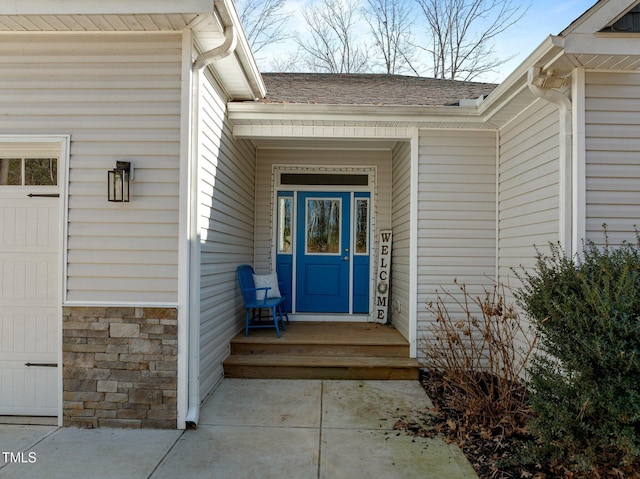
[
  {"x": 244, "y": 52},
  {"x": 257, "y": 111},
  {"x": 545, "y": 52},
  {"x": 602, "y": 44},
  {"x": 251, "y": 71},
  {"x": 241, "y": 64},
  {"x": 102, "y": 7}
]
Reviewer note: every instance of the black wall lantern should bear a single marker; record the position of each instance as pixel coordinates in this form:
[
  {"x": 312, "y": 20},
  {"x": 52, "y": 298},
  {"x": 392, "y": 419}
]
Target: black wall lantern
[{"x": 119, "y": 179}]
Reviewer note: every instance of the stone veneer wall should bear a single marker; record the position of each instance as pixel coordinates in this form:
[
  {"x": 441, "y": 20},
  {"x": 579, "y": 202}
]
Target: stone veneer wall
[{"x": 120, "y": 367}]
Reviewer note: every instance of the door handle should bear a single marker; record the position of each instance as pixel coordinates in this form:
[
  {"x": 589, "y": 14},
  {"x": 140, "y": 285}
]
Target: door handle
[{"x": 345, "y": 258}]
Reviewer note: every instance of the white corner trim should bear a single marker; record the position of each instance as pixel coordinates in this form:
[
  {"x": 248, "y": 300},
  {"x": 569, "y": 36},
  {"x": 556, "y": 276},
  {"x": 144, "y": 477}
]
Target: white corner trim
[
  {"x": 413, "y": 246},
  {"x": 191, "y": 346},
  {"x": 63, "y": 235},
  {"x": 183, "y": 227}
]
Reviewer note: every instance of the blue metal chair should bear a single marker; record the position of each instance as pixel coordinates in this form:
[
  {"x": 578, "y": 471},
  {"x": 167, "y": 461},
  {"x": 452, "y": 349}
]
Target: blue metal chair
[{"x": 253, "y": 305}]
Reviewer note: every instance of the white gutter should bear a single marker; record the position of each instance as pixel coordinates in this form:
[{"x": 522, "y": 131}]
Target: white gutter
[
  {"x": 229, "y": 16},
  {"x": 564, "y": 106},
  {"x": 546, "y": 53},
  {"x": 204, "y": 59}
]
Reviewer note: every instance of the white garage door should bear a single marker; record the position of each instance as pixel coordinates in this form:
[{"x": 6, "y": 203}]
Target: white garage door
[{"x": 29, "y": 303}]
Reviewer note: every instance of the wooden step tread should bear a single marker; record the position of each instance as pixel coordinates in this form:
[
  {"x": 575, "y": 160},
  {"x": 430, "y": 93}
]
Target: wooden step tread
[
  {"x": 318, "y": 333},
  {"x": 253, "y": 339},
  {"x": 270, "y": 360},
  {"x": 326, "y": 349}
]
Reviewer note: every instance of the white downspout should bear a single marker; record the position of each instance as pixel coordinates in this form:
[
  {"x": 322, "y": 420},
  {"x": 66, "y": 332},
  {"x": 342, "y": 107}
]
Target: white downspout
[
  {"x": 218, "y": 53},
  {"x": 564, "y": 105},
  {"x": 204, "y": 59}
]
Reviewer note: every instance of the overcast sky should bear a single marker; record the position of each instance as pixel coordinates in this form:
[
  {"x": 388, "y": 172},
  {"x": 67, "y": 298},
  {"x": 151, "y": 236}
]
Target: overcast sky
[{"x": 543, "y": 18}]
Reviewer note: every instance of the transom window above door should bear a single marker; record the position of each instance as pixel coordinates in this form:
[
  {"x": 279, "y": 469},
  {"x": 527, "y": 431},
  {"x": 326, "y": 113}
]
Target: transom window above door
[{"x": 324, "y": 179}]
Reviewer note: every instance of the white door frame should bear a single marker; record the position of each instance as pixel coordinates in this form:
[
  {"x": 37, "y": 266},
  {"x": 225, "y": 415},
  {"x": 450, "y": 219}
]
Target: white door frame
[{"x": 371, "y": 188}]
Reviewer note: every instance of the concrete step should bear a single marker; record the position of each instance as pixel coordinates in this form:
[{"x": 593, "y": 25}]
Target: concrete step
[{"x": 270, "y": 366}]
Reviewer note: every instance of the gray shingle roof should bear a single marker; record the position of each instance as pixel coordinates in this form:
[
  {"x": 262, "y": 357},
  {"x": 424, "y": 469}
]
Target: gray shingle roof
[{"x": 368, "y": 89}]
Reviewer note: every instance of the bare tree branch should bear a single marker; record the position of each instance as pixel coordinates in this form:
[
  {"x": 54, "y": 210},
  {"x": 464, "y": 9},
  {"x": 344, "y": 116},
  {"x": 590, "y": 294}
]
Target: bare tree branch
[
  {"x": 264, "y": 22},
  {"x": 332, "y": 45},
  {"x": 462, "y": 35},
  {"x": 390, "y": 24},
  {"x": 286, "y": 62}
]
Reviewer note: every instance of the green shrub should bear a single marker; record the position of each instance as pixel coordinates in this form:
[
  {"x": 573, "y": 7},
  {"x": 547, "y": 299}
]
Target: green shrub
[{"x": 585, "y": 381}]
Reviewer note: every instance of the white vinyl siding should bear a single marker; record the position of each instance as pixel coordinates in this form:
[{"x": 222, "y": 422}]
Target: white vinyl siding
[
  {"x": 456, "y": 213},
  {"x": 381, "y": 159},
  {"x": 528, "y": 188},
  {"x": 226, "y": 199},
  {"x": 612, "y": 156},
  {"x": 118, "y": 96},
  {"x": 401, "y": 224}
]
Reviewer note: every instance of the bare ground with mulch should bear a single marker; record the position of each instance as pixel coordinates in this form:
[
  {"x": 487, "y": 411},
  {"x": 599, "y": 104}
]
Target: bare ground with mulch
[{"x": 494, "y": 453}]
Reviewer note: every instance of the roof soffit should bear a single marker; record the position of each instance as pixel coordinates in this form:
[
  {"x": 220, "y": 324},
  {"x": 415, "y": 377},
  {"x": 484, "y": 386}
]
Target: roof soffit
[
  {"x": 94, "y": 23},
  {"x": 102, "y": 7},
  {"x": 593, "y": 49}
]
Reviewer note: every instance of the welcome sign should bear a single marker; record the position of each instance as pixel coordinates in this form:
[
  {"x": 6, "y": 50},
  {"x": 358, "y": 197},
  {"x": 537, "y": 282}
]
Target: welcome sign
[{"x": 382, "y": 276}]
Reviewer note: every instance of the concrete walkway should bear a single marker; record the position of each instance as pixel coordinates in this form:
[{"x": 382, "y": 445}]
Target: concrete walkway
[{"x": 252, "y": 428}]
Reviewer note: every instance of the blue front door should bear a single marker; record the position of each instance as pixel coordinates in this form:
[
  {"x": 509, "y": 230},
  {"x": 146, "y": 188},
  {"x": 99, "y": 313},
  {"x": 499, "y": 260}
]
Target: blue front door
[{"x": 323, "y": 252}]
